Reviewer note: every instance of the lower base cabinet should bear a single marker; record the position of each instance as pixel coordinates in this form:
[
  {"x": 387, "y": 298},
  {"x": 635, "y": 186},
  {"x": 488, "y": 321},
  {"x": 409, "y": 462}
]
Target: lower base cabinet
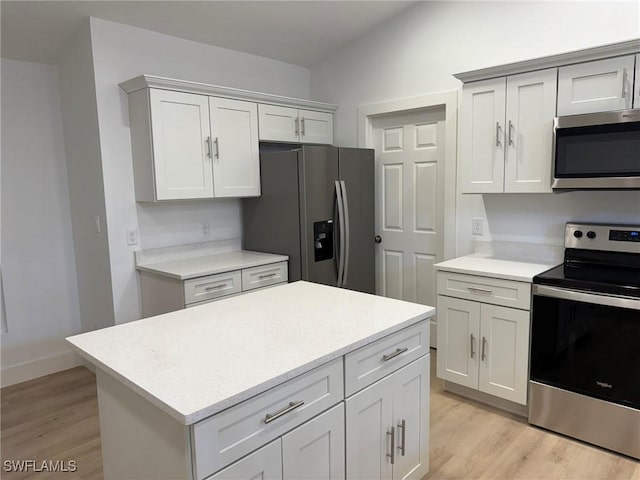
[
  {"x": 388, "y": 426},
  {"x": 314, "y": 450}
]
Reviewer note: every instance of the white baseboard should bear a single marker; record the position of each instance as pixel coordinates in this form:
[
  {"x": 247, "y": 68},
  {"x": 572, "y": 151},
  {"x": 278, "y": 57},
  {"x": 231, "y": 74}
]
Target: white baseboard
[{"x": 38, "y": 368}]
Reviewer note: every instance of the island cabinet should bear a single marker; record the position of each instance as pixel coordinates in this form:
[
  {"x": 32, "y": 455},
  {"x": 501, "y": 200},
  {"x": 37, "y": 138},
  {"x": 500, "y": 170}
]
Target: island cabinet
[{"x": 505, "y": 133}]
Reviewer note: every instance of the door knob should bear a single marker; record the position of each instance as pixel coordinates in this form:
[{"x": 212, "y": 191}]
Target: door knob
[{"x": 377, "y": 239}]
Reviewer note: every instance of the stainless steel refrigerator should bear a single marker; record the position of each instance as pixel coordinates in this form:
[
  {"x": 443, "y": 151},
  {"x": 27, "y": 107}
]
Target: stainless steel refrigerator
[{"x": 317, "y": 207}]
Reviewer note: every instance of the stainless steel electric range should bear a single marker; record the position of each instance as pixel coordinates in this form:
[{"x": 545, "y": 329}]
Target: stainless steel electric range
[{"x": 585, "y": 339}]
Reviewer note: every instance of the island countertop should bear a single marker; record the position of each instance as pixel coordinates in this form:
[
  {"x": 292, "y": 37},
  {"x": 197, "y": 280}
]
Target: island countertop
[{"x": 196, "y": 362}]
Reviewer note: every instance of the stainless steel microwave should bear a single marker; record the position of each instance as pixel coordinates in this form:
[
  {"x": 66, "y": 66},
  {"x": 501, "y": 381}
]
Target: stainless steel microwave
[{"x": 597, "y": 151}]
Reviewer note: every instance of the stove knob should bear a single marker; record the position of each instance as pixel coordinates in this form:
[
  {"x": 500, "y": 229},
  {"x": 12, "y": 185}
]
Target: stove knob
[
  {"x": 577, "y": 234},
  {"x": 591, "y": 234}
]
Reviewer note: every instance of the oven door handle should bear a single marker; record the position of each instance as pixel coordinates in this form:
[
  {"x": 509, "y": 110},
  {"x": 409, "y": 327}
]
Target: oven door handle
[{"x": 577, "y": 296}]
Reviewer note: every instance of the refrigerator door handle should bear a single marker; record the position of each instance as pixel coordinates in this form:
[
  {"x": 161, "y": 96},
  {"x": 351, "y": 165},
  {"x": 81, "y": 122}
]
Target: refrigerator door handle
[
  {"x": 347, "y": 236},
  {"x": 341, "y": 226}
]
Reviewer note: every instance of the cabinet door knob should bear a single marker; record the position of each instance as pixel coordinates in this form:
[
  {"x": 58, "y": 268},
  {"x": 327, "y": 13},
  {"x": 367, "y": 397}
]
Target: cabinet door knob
[{"x": 377, "y": 239}]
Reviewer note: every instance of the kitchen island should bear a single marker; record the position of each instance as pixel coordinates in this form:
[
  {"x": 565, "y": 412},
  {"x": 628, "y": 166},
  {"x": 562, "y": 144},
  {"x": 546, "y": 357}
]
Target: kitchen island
[{"x": 298, "y": 381}]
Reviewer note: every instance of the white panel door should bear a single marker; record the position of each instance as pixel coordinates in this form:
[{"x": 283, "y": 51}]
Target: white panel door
[
  {"x": 180, "y": 132},
  {"x": 409, "y": 180},
  {"x": 411, "y": 418},
  {"x": 236, "y": 157},
  {"x": 636, "y": 92},
  {"x": 596, "y": 86},
  {"x": 263, "y": 464},
  {"x": 458, "y": 340},
  {"x": 369, "y": 418},
  {"x": 531, "y": 107},
  {"x": 504, "y": 347},
  {"x": 481, "y": 167},
  {"x": 315, "y": 450},
  {"x": 278, "y": 124},
  {"x": 316, "y": 127}
]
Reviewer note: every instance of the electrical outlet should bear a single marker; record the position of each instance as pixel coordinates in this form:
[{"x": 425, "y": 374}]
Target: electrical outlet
[
  {"x": 206, "y": 230},
  {"x": 477, "y": 225},
  {"x": 132, "y": 236}
]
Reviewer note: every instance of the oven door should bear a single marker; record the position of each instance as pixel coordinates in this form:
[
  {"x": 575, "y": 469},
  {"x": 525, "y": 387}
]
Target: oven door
[{"x": 587, "y": 343}]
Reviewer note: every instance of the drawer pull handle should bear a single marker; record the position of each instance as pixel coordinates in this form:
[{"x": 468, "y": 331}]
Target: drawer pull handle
[
  {"x": 270, "y": 417},
  {"x": 392, "y": 455},
  {"x": 388, "y": 356},
  {"x": 215, "y": 287},
  {"x": 402, "y": 425},
  {"x": 268, "y": 275},
  {"x": 478, "y": 289}
]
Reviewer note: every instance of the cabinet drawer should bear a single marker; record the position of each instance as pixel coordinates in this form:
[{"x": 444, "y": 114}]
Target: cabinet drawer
[
  {"x": 372, "y": 362},
  {"x": 225, "y": 437},
  {"x": 264, "y": 275},
  {"x": 507, "y": 293},
  {"x": 213, "y": 286}
]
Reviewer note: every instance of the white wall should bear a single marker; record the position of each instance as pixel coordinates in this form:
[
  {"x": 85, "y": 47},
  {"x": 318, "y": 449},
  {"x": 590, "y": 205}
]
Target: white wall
[
  {"x": 37, "y": 245},
  {"x": 416, "y": 53},
  {"x": 121, "y": 52}
]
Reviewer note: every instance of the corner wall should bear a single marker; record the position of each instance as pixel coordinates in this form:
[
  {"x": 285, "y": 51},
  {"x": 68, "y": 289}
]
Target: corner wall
[{"x": 417, "y": 52}]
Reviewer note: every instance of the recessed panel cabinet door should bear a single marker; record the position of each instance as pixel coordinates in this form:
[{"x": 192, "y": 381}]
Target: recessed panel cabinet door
[
  {"x": 504, "y": 347},
  {"x": 458, "y": 340},
  {"x": 315, "y": 450},
  {"x": 316, "y": 127},
  {"x": 265, "y": 464},
  {"x": 236, "y": 159},
  {"x": 482, "y": 137},
  {"x": 278, "y": 124},
  {"x": 180, "y": 131},
  {"x": 369, "y": 418},
  {"x": 597, "y": 86}
]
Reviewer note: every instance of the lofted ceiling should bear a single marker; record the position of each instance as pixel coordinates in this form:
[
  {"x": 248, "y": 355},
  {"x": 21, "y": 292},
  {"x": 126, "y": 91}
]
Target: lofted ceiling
[{"x": 298, "y": 32}]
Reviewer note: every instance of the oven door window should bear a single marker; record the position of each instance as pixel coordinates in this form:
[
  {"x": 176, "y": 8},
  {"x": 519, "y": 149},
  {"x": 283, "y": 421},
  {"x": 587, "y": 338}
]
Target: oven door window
[
  {"x": 587, "y": 348},
  {"x": 598, "y": 151}
]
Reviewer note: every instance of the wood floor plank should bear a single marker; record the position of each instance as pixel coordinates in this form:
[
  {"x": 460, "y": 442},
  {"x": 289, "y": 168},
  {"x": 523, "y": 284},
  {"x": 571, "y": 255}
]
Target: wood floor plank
[{"x": 56, "y": 418}]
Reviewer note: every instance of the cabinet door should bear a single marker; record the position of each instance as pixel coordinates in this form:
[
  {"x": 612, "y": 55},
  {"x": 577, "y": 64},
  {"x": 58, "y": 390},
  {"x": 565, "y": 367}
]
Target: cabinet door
[
  {"x": 458, "y": 340},
  {"x": 236, "y": 159},
  {"x": 316, "y": 127},
  {"x": 636, "y": 93},
  {"x": 504, "y": 352},
  {"x": 369, "y": 418},
  {"x": 316, "y": 448},
  {"x": 278, "y": 124},
  {"x": 482, "y": 136},
  {"x": 180, "y": 131},
  {"x": 265, "y": 463},
  {"x": 411, "y": 418},
  {"x": 531, "y": 107},
  {"x": 596, "y": 86}
]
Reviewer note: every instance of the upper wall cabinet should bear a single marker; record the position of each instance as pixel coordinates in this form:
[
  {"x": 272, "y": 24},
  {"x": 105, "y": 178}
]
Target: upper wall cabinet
[
  {"x": 192, "y": 140},
  {"x": 283, "y": 124},
  {"x": 505, "y": 133},
  {"x": 598, "y": 86}
]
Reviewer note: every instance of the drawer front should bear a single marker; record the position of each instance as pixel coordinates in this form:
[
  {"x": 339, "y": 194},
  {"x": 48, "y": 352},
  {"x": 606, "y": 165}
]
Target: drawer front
[
  {"x": 227, "y": 436},
  {"x": 213, "y": 286},
  {"x": 507, "y": 293},
  {"x": 257, "y": 277},
  {"x": 372, "y": 362}
]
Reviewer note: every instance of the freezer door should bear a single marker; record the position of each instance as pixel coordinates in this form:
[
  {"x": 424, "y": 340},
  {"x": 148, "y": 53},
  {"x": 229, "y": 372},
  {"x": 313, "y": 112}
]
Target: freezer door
[
  {"x": 318, "y": 174},
  {"x": 356, "y": 171}
]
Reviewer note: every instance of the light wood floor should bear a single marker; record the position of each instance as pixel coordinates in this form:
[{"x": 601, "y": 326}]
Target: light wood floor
[{"x": 56, "y": 418}]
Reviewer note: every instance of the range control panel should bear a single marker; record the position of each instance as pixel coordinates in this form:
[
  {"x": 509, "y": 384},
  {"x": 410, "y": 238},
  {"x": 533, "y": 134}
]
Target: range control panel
[{"x": 612, "y": 238}]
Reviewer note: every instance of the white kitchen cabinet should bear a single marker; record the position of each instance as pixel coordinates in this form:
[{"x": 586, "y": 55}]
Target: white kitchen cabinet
[
  {"x": 315, "y": 449},
  {"x": 597, "y": 86},
  {"x": 285, "y": 124},
  {"x": 187, "y": 146},
  {"x": 265, "y": 464},
  {"x": 484, "y": 347},
  {"x": 505, "y": 132},
  {"x": 236, "y": 158},
  {"x": 636, "y": 92},
  {"x": 387, "y": 426}
]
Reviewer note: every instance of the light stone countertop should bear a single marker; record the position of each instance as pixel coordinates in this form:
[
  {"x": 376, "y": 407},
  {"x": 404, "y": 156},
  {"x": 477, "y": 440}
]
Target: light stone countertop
[
  {"x": 196, "y": 362},
  {"x": 488, "y": 265},
  {"x": 200, "y": 266}
]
